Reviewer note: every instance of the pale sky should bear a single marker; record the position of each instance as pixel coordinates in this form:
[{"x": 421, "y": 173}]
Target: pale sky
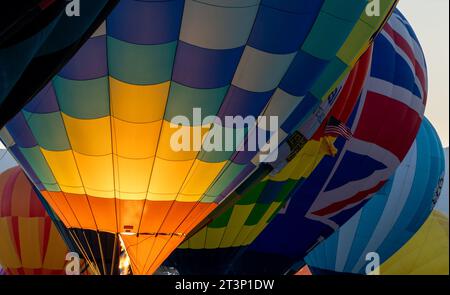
[{"x": 430, "y": 20}]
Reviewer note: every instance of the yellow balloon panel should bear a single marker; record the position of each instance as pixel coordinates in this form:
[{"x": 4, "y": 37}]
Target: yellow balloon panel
[
  {"x": 9, "y": 257},
  {"x": 89, "y": 137},
  {"x": 135, "y": 141},
  {"x": 65, "y": 171},
  {"x": 201, "y": 176},
  {"x": 426, "y": 253},
  {"x": 138, "y": 103}
]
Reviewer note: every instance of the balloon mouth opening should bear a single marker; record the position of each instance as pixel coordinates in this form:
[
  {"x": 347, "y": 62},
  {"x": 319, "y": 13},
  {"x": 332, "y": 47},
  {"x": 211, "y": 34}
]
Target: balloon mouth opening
[
  {"x": 124, "y": 260},
  {"x": 127, "y": 233}
]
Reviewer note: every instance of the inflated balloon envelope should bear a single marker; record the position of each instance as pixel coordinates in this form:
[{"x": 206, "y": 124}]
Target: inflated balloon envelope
[
  {"x": 384, "y": 125},
  {"x": 425, "y": 254},
  {"x": 95, "y": 140},
  {"x": 29, "y": 242},
  {"x": 210, "y": 249},
  {"x": 393, "y": 215}
]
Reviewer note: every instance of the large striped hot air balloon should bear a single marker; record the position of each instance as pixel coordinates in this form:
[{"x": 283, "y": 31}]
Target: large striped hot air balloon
[
  {"x": 392, "y": 217},
  {"x": 426, "y": 253},
  {"x": 29, "y": 242},
  {"x": 37, "y": 37},
  {"x": 212, "y": 249},
  {"x": 384, "y": 125},
  {"x": 96, "y": 140}
]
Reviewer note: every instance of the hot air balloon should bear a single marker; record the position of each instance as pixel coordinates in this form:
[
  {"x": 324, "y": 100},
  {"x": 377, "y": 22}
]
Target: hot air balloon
[
  {"x": 29, "y": 242},
  {"x": 37, "y": 37},
  {"x": 392, "y": 216},
  {"x": 96, "y": 140},
  {"x": 212, "y": 248},
  {"x": 425, "y": 254},
  {"x": 384, "y": 125}
]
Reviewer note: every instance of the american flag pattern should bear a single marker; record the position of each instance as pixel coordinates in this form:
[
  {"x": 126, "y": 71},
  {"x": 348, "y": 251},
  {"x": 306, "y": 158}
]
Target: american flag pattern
[{"x": 337, "y": 128}]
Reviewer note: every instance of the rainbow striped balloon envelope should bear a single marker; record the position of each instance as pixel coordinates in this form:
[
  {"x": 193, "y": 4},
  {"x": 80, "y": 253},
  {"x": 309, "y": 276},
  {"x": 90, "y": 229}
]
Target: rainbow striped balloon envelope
[{"x": 96, "y": 140}]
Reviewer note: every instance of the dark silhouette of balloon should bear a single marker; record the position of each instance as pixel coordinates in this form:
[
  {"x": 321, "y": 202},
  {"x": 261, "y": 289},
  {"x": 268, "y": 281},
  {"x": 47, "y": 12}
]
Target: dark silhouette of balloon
[{"x": 37, "y": 38}]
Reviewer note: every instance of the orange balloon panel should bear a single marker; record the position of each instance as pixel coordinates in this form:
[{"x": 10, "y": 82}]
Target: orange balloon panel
[
  {"x": 29, "y": 242},
  {"x": 304, "y": 271},
  {"x": 148, "y": 251}
]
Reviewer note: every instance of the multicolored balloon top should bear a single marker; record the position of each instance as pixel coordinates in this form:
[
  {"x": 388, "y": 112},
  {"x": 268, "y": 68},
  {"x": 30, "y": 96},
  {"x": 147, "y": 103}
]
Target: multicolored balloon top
[{"x": 96, "y": 139}]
